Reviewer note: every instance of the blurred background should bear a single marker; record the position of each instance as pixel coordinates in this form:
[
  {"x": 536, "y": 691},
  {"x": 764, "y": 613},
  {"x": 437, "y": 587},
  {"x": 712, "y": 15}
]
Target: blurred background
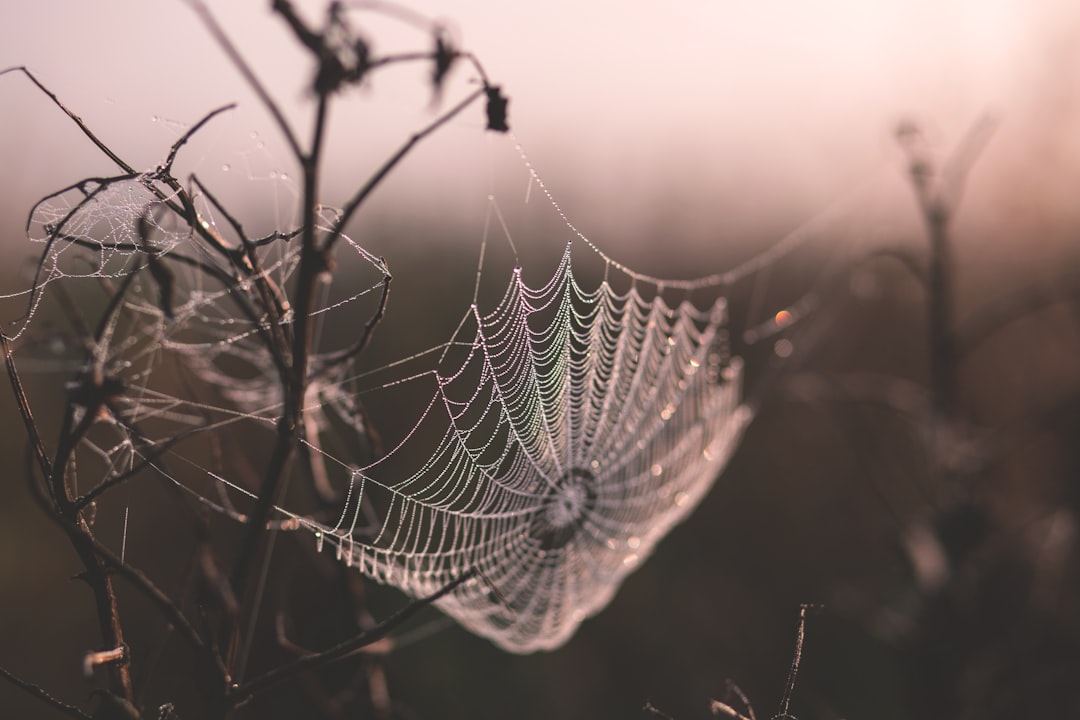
[{"x": 682, "y": 138}]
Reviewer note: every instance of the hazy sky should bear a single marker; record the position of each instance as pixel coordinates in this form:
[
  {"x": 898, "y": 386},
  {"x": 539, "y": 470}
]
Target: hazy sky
[{"x": 725, "y": 111}]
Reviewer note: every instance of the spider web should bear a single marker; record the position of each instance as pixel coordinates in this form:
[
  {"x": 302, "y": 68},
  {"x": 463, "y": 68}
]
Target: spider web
[
  {"x": 577, "y": 429},
  {"x": 558, "y": 435}
]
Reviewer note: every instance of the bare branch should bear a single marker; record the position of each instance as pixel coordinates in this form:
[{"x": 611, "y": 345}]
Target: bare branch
[
  {"x": 41, "y": 694},
  {"x": 75, "y": 118},
  {"x": 361, "y": 195},
  {"x": 230, "y": 50},
  {"x": 310, "y": 662}
]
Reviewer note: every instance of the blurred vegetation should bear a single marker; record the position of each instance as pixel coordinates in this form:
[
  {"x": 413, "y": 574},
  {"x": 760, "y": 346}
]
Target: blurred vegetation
[{"x": 941, "y": 537}]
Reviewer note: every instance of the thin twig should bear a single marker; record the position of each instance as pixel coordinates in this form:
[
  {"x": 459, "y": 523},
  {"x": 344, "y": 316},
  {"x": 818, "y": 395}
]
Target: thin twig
[
  {"x": 43, "y": 695},
  {"x": 719, "y": 709},
  {"x": 312, "y": 267},
  {"x": 273, "y": 299},
  {"x": 789, "y": 686},
  {"x": 148, "y": 461},
  {"x": 163, "y": 602},
  {"x": 75, "y": 527},
  {"x": 166, "y": 168},
  {"x": 354, "y": 204},
  {"x": 211, "y": 24},
  {"x": 369, "y": 329},
  {"x": 310, "y": 662},
  {"x": 40, "y": 453},
  {"x": 77, "y": 120}
]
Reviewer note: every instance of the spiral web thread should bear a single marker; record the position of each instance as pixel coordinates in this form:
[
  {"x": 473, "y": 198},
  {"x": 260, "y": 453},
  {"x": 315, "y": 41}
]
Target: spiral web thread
[
  {"x": 579, "y": 427},
  {"x": 564, "y": 431}
]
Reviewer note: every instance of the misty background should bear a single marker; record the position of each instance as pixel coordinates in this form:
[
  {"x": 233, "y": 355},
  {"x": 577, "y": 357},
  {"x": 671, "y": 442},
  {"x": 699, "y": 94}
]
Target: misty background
[{"x": 682, "y": 138}]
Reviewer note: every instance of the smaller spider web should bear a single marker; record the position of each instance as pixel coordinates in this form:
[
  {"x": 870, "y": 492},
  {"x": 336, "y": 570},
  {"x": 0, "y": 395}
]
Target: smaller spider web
[{"x": 98, "y": 228}]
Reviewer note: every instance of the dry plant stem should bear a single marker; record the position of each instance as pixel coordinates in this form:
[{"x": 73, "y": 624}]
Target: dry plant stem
[
  {"x": 151, "y": 458},
  {"x": 162, "y": 173},
  {"x": 789, "y": 686},
  {"x": 272, "y": 298},
  {"x": 215, "y": 677},
  {"x": 68, "y": 511},
  {"x": 942, "y": 364},
  {"x": 74, "y": 525},
  {"x": 45, "y": 697},
  {"x": 166, "y": 168},
  {"x": 250, "y": 77},
  {"x": 231, "y": 284},
  {"x": 937, "y": 193},
  {"x": 721, "y": 709},
  {"x": 309, "y": 662},
  {"x": 59, "y": 498},
  {"x": 312, "y": 264},
  {"x": 369, "y": 328},
  {"x": 78, "y": 120},
  {"x": 103, "y": 657},
  {"x": 940, "y": 307}
]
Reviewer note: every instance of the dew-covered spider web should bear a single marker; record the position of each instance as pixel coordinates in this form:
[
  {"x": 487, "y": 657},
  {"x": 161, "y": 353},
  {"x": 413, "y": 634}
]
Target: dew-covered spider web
[
  {"x": 551, "y": 439},
  {"x": 578, "y": 426}
]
